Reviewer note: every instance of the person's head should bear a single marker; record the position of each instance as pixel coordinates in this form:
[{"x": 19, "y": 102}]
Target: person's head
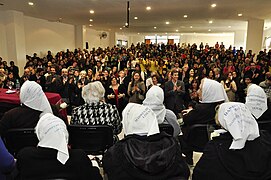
[
  {"x": 83, "y": 74},
  {"x": 121, "y": 74},
  {"x": 32, "y": 96},
  {"x": 256, "y": 100},
  {"x": 154, "y": 99},
  {"x": 90, "y": 72},
  {"x": 11, "y": 63},
  {"x": 93, "y": 92},
  {"x": 211, "y": 91},
  {"x": 64, "y": 72},
  {"x": 191, "y": 73},
  {"x": 154, "y": 80},
  {"x": 136, "y": 76},
  {"x": 234, "y": 74},
  {"x": 230, "y": 76},
  {"x": 174, "y": 75},
  {"x": 27, "y": 72},
  {"x": 140, "y": 120},
  {"x": 10, "y": 75},
  {"x": 248, "y": 79},
  {"x": 53, "y": 70},
  {"x": 236, "y": 118},
  {"x": 114, "y": 81},
  {"x": 252, "y": 65},
  {"x": 52, "y": 133}
]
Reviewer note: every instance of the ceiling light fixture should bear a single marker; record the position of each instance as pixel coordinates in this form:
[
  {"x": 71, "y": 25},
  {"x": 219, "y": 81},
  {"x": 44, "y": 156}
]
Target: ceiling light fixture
[
  {"x": 210, "y": 22},
  {"x": 138, "y": 33},
  {"x": 90, "y": 20},
  {"x": 90, "y": 25},
  {"x": 91, "y": 11},
  {"x": 167, "y": 22},
  {"x": 154, "y": 27},
  {"x": 177, "y": 30},
  {"x": 229, "y": 26},
  {"x": 120, "y": 28},
  {"x": 135, "y": 18},
  {"x": 240, "y": 14},
  {"x": 191, "y": 26},
  {"x": 213, "y": 5},
  {"x": 185, "y": 16},
  {"x": 30, "y": 3},
  {"x": 148, "y": 8},
  {"x": 209, "y": 30}
]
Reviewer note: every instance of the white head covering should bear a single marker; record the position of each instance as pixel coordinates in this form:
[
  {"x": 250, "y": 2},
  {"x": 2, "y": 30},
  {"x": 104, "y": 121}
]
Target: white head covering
[
  {"x": 139, "y": 119},
  {"x": 93, "y": 92},
  {"x": 52, "y": 133},
  {"x": 32, "y": 96},
  {"x": 256, "y": 100},
  {"x": 213, "y": 91},
  {"x": 236, "y": 118},
  {"x": 154, "y": 99}
]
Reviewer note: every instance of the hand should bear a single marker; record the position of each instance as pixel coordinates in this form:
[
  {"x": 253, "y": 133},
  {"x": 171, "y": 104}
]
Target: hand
[
  {"x": 53, "y": 80},
  {"x": 186, "y": 111},
  {"x": 175, "y": 88}
]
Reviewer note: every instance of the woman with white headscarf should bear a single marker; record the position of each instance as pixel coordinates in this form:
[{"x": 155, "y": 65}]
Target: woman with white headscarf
[
  {"x": 95, "y": 111},
  {"x": 34, "y": 104},
  {"x": 211, "y": 93},
  {"x": 154, "y": 99},
  {"x": 52, "y": 158},
  {"x": 144, "y": 153},
  {"x": 239, "y": 152}
]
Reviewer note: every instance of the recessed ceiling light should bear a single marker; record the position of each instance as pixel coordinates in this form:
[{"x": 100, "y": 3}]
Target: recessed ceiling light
[
  {"x": 181, "y": 34},
  {"x": 210, "y": 22},
  {"x": 177, "y": 30},
  {"x": 209, "y": 30},
  {"x": 191, "y": 26},
  {"x": 167, "y": 22},
  {"x": 138, "y": 33},
  {"x": 154, "y": 27},
  {"x": 213, "y": 5},
  {"x": 240, "y": 14},
  {"x": 90, "y": 25},
  {"x": 90, "y": 20},
  {"x": 135, "y": 17},
  {"x": 185, "y": 16},
  {"x": 229, "y": 26},
  {"x": 148, "y": 8},
  {"x": 30, "y": 3},
  {"x": 166, "y": 33},
  {"x": 194, "y": 32},
  {"x": 120, "y": 28},
  {"x": 91, "y": 11}
]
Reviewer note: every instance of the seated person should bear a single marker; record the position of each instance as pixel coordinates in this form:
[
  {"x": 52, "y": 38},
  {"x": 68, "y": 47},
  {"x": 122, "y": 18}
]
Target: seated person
[
  {"x": 144, "y": 153},
  {"x": 34, "y": 104},
  {"x": 239, "y": 152},
  {"x": 7, "y": 162},
  {"x": 154, "y": 100},
  {"x": 52, "y": 158},
  {"x": 95, "y": 111}
]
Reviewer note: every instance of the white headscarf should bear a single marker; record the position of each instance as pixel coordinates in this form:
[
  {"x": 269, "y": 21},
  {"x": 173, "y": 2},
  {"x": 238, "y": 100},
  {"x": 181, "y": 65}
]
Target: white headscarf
[
  {"x": 139, "y": 119},
  {"x": 32, "y": 96},
  {"x": 154, "y": 99},
  {"x": 256, "y": 100},
  {"x": 213, "y": 91},
  {"x": 52, "y": 133},
  {"x": 93, "y": 92},
  {"x": 236, "y": 118}
]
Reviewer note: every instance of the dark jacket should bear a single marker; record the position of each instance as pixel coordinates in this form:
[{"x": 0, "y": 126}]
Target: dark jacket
[
  {"x": 156, "y": 157},
  {"x": 253, "y": 162},
  {"x": 41, "y": 163}
]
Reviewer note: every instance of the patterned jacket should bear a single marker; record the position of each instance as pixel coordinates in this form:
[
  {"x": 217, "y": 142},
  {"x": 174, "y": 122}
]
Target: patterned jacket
[{"x": 97, "y": 113}]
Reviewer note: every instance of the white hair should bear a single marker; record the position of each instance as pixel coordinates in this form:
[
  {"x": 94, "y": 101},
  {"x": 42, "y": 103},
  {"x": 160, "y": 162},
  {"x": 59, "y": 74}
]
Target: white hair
[{"x": 93, "y": 92}]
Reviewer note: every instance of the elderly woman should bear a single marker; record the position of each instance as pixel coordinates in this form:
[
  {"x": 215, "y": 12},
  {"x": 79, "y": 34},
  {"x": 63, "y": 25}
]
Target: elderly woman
[
  {"x": 95, "y": 111},
  {"x": 154, "y": 99},
  {"x": 34, "y": 104},
  {"x": 144, "y": 153},
  {"x": 52, "y": 158},
  {"x": 239, "y": 152}
]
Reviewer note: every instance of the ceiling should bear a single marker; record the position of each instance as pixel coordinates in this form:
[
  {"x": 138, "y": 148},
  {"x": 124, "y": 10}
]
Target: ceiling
[{"x": 110, "y": 15}]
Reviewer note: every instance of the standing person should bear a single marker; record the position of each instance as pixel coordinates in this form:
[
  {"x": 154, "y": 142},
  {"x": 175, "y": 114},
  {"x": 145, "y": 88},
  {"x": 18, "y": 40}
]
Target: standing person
[
  {"x": 53, "y": 81},
  {"x": 174, "y": 94},
  {"x": 52, "y": 159},
  {"x": 136, "y": 89},
  {"x": 230, "y": 87},
  {"x": 115, "y": 95}
]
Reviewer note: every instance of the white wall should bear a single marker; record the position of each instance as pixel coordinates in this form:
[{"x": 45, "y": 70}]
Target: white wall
[
  {"x": 211, "y": 39},
  {"x": 135, "y": 39},
  {"x": 93, "y": 38},
  {"x": 42, "y": 35},
  {"x": 267, "y": 42},
  {"x": 3, "y": 44}
]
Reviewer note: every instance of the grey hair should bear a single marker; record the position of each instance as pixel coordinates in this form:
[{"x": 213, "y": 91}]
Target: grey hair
[{"x": 93, "y": 92}]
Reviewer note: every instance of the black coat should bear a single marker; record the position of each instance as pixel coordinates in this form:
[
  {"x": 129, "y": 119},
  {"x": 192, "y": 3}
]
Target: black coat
[
  {"x": 156, "y": 157},
  {"x": 41, "y": 163},
  {"x": 253, "y": 162}
]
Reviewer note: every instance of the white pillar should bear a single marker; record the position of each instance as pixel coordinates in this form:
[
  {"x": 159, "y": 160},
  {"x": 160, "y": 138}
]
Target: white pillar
[
  {"x": 112, "y": 38},
  {"x": 255, "y": 35},
  {"x": 15, "y": 38},
  {"x": 79, "y": 37},
  {"x": 240, "y": 39}
]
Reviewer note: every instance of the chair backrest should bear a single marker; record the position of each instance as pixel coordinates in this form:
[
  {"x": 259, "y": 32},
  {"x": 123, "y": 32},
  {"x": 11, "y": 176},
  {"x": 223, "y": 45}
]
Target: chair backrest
[
  {"x": 265, "y": 125},
  {"x": 198, "y": 137},
  {"x": 93, "y": 139},
  {"x": 17, "y": 139},
  {"x": 167, "y": 128}
]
